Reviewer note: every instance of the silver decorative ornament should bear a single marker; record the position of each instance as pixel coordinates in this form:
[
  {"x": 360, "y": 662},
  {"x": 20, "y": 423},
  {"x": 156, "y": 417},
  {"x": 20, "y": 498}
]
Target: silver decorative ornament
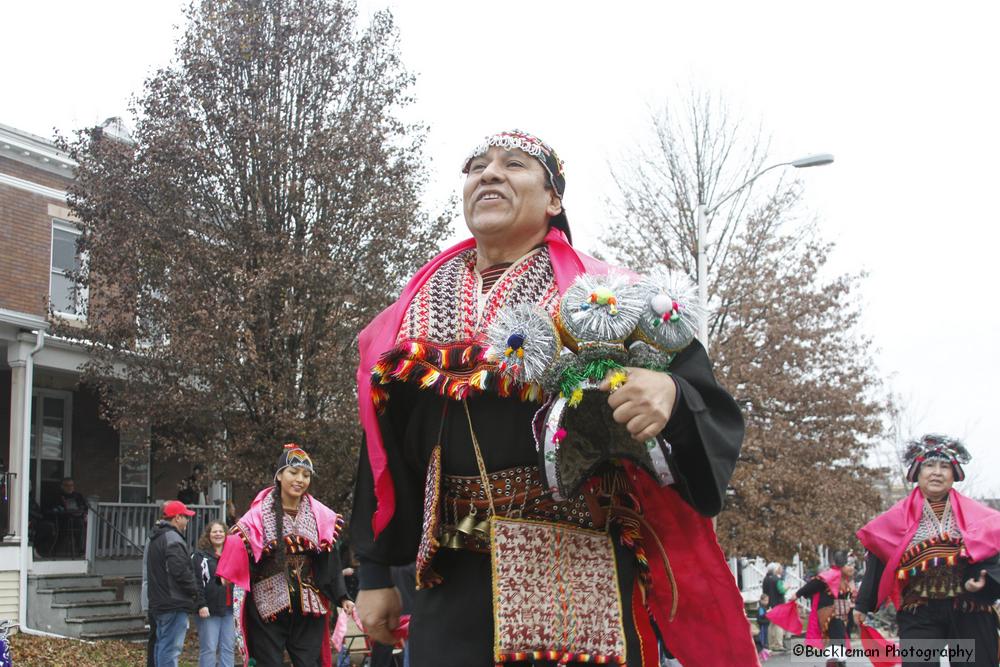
[
  {"x": 671, "y": 316},
  {"x": 600, "y": 309},
  {"x": 523, "y": 342}
]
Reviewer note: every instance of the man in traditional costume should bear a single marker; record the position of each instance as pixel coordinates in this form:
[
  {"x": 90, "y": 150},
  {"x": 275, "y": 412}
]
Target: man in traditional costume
[
  {"x": 934, "y": 554},
  {"x": 832, "y": 594},
  {"x": 449, "y": 443},
  {"x": 281, "y": 555}
]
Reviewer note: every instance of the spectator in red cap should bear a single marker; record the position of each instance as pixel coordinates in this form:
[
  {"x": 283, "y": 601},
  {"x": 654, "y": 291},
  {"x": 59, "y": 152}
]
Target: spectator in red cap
[{"x": 173, "y": 591}]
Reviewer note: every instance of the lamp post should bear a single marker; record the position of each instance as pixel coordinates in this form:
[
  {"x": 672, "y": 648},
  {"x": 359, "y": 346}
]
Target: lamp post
[{"x": 702, "y": 211}]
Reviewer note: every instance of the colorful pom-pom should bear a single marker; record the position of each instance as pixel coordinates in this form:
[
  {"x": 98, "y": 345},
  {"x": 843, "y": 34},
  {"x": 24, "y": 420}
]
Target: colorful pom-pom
[
  {"x": 515, "y": 341},
  {"x": 601, "y": 295},
  {"x": 617, "y": 379},
  {"x": 661, "y": 304}
]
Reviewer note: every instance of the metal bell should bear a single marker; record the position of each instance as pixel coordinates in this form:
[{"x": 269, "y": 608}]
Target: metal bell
[
  {"x": 468, "y": 523},
  {"x": 454, "y": 541},
  {"x": 482, "y": 530}
]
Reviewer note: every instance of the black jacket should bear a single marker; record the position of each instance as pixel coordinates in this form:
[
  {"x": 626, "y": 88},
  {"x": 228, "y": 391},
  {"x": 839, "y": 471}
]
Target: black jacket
[
  {"x": 218, "y": 597},
  {"x": 705, "y": 431},
  {"x": 770, "y": 587},
  {"x": 171, "y": 581}
]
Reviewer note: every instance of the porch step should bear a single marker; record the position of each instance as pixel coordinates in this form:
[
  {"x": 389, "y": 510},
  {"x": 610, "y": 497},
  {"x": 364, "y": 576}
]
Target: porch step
[
  {"x": 50, "y": 581},
  {"x": 90, "y": 607},
  {"x": 130, "y": 636},
  {"x": 78, "y": 594},
  {"x": 81, "y": 606},
  {"x": 119, "y": 623}
]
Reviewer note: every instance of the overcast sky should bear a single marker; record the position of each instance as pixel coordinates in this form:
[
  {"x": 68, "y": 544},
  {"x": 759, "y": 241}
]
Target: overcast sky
[{"x": 900, "y": 92}]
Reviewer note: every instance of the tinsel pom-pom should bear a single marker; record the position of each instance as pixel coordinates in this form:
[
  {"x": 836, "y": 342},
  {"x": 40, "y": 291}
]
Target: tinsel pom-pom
[
  {"x": 671, "y": 316},
  {"x": 600, "y": 309},
  {"x": 523, "y": 342}
]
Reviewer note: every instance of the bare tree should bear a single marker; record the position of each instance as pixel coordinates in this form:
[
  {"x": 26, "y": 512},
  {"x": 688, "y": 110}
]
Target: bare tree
[
  {"x": 265, "y": 208},
  {"x": 783, "y": 336}
]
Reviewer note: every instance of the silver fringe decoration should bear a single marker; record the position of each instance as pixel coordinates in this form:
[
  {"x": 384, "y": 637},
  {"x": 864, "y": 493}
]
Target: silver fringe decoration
[
  {"x": 672, "y": 315},
  {"x": 523, "y": 342},
  {"x": 600, "y": 308}
]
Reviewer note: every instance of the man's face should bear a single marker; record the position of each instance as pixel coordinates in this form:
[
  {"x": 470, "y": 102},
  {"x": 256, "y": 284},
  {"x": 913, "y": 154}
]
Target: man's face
[
  {"x": 68, "y": 486},
  {"x": 505, "y": 195},
  {"x": 180, "y": 522}
]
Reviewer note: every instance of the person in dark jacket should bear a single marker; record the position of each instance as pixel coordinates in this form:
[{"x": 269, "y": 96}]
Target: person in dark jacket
[
  {"x": 190, "y": 490},
  {"x": 774, "y": 587},
  {"x": 217, "y": 633},
  {"x": 70, "y": 513},
  {"x": 173, "y": 591}
]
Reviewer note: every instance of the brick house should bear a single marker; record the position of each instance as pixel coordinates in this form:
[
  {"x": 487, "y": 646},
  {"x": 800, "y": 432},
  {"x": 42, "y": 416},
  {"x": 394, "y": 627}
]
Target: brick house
[{"x": 49, "y": 422}]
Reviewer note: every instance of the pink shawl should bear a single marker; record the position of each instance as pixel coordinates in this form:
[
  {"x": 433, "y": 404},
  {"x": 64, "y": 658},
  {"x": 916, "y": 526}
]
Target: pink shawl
[
  {"x": 881, "y": 651},
  {"x": 380, "y": 336},
  {"x": 786, "y": 616},
  {"x": 234, "y": 565},
  {"x": 814, "y": 634},
  {"x": 889, "y": 534}
]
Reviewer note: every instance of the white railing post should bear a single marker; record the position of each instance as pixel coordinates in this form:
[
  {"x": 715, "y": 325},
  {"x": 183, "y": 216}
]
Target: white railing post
[{"x": 91, "y": 538}]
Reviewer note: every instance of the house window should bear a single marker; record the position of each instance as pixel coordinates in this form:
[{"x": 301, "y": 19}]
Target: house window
[
  {"x": 65, "y": 294},
  {"x": 133, "y": 471}
]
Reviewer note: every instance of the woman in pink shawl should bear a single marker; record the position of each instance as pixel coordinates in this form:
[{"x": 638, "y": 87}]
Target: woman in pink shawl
[
  {"x": 281, "y": 554},
  {"x": 832, "y": 594},
  {"x": 934, "y": 555}
]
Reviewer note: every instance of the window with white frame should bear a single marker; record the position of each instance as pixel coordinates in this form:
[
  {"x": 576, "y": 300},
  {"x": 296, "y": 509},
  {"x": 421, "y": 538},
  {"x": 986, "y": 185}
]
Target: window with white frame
[
  {"x": 133, "y": 469},
  {"x": 65, "y": 294}
]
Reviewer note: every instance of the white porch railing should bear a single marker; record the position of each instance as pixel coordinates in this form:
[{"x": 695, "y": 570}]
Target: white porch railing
[
  {"x": 120, "y": 530},
  {"x": 755, "y": 570}
]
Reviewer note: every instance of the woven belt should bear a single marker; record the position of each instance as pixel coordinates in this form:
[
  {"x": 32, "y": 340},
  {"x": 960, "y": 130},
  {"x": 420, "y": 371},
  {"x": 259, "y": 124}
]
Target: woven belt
[{"x": 517, "y": 492}]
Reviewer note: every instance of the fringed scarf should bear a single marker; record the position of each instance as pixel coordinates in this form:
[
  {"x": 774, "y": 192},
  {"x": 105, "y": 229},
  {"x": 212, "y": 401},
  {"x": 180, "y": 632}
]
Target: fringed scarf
[{"x": 890, "y": 534}]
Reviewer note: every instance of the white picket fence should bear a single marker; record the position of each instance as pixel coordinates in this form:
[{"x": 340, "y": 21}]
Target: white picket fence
[{"x": 754, "y": 570}]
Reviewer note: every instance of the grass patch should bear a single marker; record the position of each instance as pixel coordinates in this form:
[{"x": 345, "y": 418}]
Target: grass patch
[{"x": 34, "y": 651}]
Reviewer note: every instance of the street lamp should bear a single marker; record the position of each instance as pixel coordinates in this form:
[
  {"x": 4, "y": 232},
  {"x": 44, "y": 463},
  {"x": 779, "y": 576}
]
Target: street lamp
[{"x": 704, "y": 210}]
